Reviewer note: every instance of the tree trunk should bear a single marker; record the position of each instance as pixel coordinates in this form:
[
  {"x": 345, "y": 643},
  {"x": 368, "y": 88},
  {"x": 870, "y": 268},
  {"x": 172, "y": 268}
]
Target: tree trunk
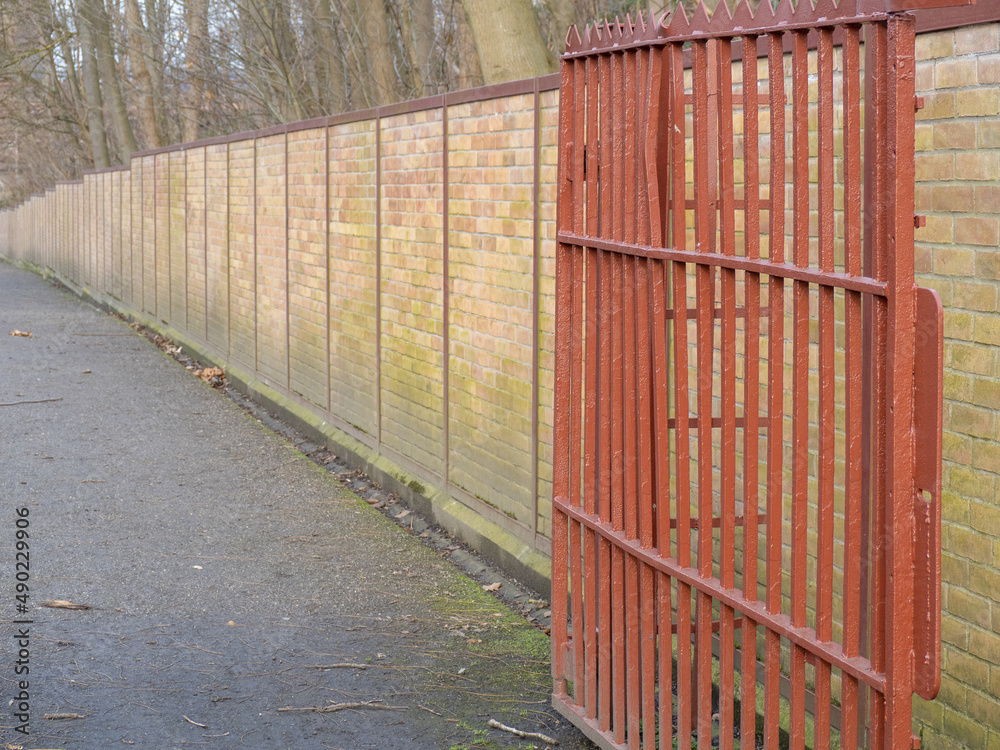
[
  {"x": 145, "y": 104},
  {"x": 470, "y": 74},
  {"x": 332, "y": 87},
  {"x": 374, "y": 81},
  {"x": 508, "y": 40},
  {"x": 95, "y": 14},
  {"x": 92, "y": 90},
  {"x": 196, "y": 12},
  {"x": 563, "y": 16}
]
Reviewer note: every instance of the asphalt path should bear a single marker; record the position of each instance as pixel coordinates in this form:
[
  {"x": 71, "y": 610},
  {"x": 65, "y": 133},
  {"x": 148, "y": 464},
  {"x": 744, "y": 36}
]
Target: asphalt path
[{"x": 224, "y": 573}]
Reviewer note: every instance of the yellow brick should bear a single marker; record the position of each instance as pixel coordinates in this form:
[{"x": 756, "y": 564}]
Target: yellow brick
[
  {"x": 977, "y": 166},
  {"x": 988, "y": 333},
  {"x": 952, "y": 73},
  {"x": 974, "y": 421},
  {"x": 937, "y": 44},
  {"x": 938, "y": 229},
  {"x": 977, "y": 230},
  {"x": 938, "y": 105},
  {"x": 989, "y": 69},
  {"x": 975, "y": 39},
  {"x": 970, "y": 295},
  {"x": 934, "y": 166},
  {"x": 960, "y": 134},
  {"x": 954, "y": 261},
  {"x": 980, "y": 102}
]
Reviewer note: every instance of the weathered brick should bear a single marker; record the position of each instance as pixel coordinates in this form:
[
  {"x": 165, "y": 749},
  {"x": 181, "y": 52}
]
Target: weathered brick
[
  {"x": 977, "y": 165},
  {"x": 971, "y": 420},
  {"x": 952, "y": 197},
  {"x": 958, "y": 324},
  {"x": 937, "y": 44},
  {"x": 971, "y": 295},
  {"x": 985, "y": 581},
  {"x": 938, "y": 105},
  {"x": 954, "y": 261},
  {"x": 951, "y": 73},
  {"x": 983, "y": 101},
  {"x": 938, "y": 229},
  {"x": 985, "y": 645},
  {"x": 964, "y": 729},
  {"x": 988, "y": 131},
  {"x": 989, "y": 68},
  {"x": 934, "y": 165},
  {"x": 971, "y": 40},
  {"x": 969, "y": 543},
  {"x": 987, "y": 332},
  {"x": 986, "y": 392},
  {"x": 954, "y": 569},
  {"x": 988, "y": 264},
  {"x": 985, "y": 516}
]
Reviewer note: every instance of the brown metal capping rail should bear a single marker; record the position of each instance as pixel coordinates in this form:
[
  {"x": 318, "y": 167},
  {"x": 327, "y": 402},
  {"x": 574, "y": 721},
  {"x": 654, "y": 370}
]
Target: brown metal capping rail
[{"x": 661, "y": 413}]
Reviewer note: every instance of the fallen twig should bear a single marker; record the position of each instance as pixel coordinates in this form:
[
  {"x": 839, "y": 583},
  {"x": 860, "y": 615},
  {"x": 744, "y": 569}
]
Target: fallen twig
[
  {"x": 189, "y": 721},
  {"x": 62, "y": 604},
  {"x": 39, "y": 401},
  {"x": 429, "y": 710},
  {"x": 523, "y": 735},
  {"x": 344, "y": 706},
  {"x": 54, "y": 717},
  {"x": 344, "y": 665}
]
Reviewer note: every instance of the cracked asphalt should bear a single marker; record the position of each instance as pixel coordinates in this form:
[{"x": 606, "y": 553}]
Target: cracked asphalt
[{"x": 227, "y": 576}]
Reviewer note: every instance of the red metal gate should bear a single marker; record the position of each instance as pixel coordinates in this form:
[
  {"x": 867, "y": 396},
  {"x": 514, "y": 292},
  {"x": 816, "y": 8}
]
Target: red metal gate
[{"x": 746, "y": 500}]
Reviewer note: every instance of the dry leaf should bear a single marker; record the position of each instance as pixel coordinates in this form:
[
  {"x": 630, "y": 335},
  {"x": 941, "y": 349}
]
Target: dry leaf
[
  {"x": 211, "y": 375},
  {"x": 404, "y": 514},
  {"x": 26, "y": 334},
  {"x": 62, "y": 604},
  {"x": 492, "y": 586}
]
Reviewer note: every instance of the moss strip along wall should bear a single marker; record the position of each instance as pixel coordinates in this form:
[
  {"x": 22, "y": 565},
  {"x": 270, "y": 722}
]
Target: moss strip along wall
[{"x": 387, "y": 279}]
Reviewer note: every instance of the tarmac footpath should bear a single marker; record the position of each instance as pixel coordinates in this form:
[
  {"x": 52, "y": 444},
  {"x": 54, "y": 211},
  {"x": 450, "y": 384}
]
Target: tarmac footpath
[{"x": 235, "y": 594}]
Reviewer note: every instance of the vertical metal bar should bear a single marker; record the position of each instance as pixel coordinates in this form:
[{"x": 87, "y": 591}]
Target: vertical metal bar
[
  {"x": 378, "y": 280},
  {"x": 751, "y": 392},
  {"x": 576, "y": 398},
  {"x": 800, "y": 378},
  {"x": 256, "y": 291},
  {"x": 853, "y": 347},
  {"x": 660, "y": 112},
  {"x": 727, "y": 221},
  {"x": 644, "y": 314},
  {"x": 588, "y": 679},
  {"x": 775, "y": 393},
  {"x": 288, "y": 285},
  {"x": 563, "y": 392},
  {"x": 900, "y": 293},
  {"x": 876, "y": 261},
  {"x": 685, "y": 698},
  {"x": 630, "y": 291},
  {"x": 187, "y": 260},
  {"x": 536, "y": 296},
  {"x": 605, "y": 407},
  {"x": 445, "y": 297},
  {"x": 327, "y": 270},
  {"x": 204, "y": 220},
  {"x": 827, "y": 384},
  {"x": 618, "y": 498},
  {"x": 705, "y": 327}
]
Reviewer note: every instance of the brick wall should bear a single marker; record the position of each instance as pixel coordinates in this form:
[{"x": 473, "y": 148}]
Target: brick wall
[
  {"x": 958, "y": 189},
  {"x": 403, "y": 291}
]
